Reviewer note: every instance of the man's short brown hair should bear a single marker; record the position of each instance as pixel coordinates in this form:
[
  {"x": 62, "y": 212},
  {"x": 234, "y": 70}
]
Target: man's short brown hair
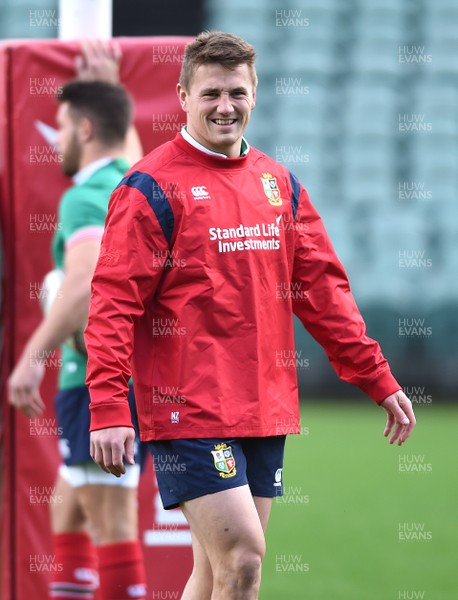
[
  {"x": 216, "y": 47},
  {"x": 107, "y": 105}
]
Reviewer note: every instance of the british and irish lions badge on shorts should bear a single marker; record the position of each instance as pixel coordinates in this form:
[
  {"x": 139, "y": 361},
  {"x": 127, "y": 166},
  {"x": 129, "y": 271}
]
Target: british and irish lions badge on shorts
[{"x": 224, "y": 460}]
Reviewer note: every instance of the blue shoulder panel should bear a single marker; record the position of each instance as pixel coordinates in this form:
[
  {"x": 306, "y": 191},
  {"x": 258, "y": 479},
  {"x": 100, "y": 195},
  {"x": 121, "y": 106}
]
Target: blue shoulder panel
[
  {"x": 296, "y": 187},
  {"x": 158, "y": 201}
]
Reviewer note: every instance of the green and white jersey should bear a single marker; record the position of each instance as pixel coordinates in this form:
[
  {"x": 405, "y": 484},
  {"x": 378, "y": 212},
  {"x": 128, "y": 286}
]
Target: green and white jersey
[{"x": 82, "y": 213}]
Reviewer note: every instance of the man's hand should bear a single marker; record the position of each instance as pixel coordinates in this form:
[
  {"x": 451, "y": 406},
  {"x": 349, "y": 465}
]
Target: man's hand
[
  {"x": 24, "y": 386},
  {"x": 400, "y": 414},
  {"x": 108, "y": 447},
  {"x": 99, "y": 60}
]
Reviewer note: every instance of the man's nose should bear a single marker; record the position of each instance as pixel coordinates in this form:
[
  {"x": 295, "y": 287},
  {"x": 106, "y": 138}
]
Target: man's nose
[{"x": 225, "y": 104}]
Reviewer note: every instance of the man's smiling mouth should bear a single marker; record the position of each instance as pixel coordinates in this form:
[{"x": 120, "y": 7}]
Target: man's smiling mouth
[{"x": 224, "y": 121}]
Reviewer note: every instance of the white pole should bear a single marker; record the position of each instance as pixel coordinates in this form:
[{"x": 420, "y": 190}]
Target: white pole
[{"x": 85, "y": 19}]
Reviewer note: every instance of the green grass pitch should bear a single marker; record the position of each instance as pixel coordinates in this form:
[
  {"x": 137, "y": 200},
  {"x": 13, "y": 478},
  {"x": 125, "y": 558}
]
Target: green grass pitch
[{"x": 363, "y": 520}]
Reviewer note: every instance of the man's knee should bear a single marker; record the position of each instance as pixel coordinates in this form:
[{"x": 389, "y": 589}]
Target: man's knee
[
  {"x": 111, "y": 512},
  {"x": 247, "y": 569},
  {"x": 119, "y": 530},
  {"x": 241, "y": 568},
  {"x": 114, "y": 526}
]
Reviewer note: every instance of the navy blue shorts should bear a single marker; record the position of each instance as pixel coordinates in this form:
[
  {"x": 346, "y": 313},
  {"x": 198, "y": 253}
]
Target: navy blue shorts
[
  {"x": 188, "y": 469},
  {"x": 73, "y": 419}
]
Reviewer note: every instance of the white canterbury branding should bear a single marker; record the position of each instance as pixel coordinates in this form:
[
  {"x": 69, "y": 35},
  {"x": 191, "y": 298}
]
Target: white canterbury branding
[
  {"x": 200, "y": 192},
  {"x": 262, "y": 236},
  {"x": 137, "y": 590},
  {"x": 84, "y": 574}
]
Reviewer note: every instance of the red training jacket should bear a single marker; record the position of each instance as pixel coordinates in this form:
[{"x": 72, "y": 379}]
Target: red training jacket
[{"x": 203, "y": 261}]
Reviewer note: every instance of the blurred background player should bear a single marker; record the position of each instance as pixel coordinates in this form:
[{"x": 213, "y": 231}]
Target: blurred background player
[{"x": 94, "y": 523}]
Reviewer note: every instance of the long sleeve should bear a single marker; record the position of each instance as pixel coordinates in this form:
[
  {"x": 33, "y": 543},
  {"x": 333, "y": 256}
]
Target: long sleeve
[
  {"x": 137, "y": 234},
  {"x": 329, "y": 311}
]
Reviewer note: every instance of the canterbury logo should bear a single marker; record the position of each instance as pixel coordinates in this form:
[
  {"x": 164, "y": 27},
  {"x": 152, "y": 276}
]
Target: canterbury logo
[
  {"x": 200, "y": 192},
  {"x": 84, "y": 574},
  {"x": 137, "y": 590}
]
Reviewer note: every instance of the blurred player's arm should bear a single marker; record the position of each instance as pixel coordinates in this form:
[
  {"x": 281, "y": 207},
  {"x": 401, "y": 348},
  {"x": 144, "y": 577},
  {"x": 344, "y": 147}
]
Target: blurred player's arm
[
  {"x": 102, "y": 60},
  {"x": 98, "y": 60},
  {"x": 67, "y": 314}
]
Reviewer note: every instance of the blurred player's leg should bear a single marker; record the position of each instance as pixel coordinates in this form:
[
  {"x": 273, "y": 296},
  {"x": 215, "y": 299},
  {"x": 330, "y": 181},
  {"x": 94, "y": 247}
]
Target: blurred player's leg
[
  {"x": 108, "y": 505},
  {"x": 230, "y": 531},
  {"x": 73, "y": 548},
  {"x": 112, "y": 514},
  {"x": 65, "y": 509}
]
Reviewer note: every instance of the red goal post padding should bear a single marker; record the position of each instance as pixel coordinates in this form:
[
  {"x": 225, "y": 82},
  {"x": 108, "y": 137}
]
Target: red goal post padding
[{"x": 31, "y": 183}]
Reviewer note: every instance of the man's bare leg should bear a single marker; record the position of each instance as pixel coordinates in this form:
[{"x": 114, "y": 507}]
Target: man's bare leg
[
  {"x": 229, "y": 530},
  {"x": 200, "y": 583},
  {"x": 111, "y": 512},
  {"x": 66, "y": 513}
]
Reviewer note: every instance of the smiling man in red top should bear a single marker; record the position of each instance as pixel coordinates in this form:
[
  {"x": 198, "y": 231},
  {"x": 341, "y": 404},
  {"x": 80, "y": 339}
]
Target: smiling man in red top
[{"x": 200, "y": 236}]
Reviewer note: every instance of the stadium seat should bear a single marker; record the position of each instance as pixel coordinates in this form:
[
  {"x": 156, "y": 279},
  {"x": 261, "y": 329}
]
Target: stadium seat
[
  {"x": 379, "y": 59},
  {"x": 371, "y": 110},
  {"x": 392, "y": 5},
  {"x": 387, "y": 25}
]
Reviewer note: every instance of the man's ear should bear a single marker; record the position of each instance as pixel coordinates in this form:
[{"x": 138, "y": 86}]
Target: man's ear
[
  {"x": 85, "y": 129},
  {"x": 182, "y": 97},
  {"x": 253, "y": 103}
]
